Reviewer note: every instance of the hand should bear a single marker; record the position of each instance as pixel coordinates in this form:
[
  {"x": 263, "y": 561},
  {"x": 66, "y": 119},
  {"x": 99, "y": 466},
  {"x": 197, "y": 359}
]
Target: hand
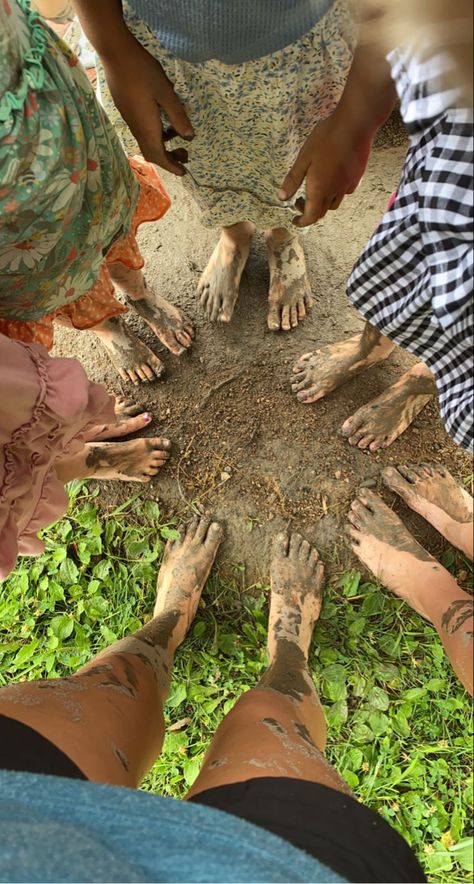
[
  {"x": 141, "y": 89},
  {"x": 332, "y": 162}
]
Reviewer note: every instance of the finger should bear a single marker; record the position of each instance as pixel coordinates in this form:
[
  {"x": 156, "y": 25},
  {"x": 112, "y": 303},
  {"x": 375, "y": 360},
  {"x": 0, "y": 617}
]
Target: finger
[
  {"x": 169, "y": 134},
  {"x": 314, "y": 205},
  {"x": 294, "y": 179},
  {"x": 176, "y": 113},
  {"x": 336, "y": 201},
  {"x": 180, "y": 155}
]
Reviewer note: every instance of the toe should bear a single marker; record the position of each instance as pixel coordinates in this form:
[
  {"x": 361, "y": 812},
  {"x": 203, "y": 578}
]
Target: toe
[
  {"x": 365, "y": 441},
  {"x": 313, "y": 557},
  {"x": 215, "y": 536},
  {"x": 285, "y": 318},
  {"x": 392, "y": 477},
  {"x": 294, "y": 316},
  {"x": 281, "y": 544},
  {"x": 160, "y": 443},
  {"x": 355, "y": 520},
  {"x": 191, "y": 528},
  {"x": 273, "y": 320},
  {"x": 183, "y": 338},
  {"x": 202, "y": 529},
  {"x": 407, "y": 473},
  {"x": 295, "y": 543},
  {"x": 148, "y": 372},
  {"x": 301, "y": 310},
  {"x": 305, "y": 551}
]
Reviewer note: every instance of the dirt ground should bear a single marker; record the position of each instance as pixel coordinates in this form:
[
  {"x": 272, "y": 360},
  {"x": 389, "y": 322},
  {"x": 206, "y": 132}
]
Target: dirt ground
[{"x": 243, "y": 447}]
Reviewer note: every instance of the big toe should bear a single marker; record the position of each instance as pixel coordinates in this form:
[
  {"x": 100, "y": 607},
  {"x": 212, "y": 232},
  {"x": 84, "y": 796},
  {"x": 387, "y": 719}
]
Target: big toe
[
  {"x": 280, "y": 544},
  {"x": 214, "y": 536}
]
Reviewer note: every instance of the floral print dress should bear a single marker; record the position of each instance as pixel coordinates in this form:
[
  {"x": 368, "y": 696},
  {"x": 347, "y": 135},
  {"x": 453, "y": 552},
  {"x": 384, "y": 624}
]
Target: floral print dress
[{"x": 70, "y": 201}]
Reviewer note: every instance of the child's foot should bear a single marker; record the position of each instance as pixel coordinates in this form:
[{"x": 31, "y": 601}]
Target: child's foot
[
  {"x": 433, "y": 493},
  {"x": 218, "y": 288},
  {"x": 133, "y": 360},
  {"x": 130, "y": 419},
  {"x": 296, "y": 576},
  {"x": 377, "y": 424},
  {"x": 319, "y": 373},
  {"x": 170, "y": 326},
  {"x": 137, "y": 461},
  {"x": 183, "y": 574},
  {"x": 290, "y": 297},
  {"x": 386, "y": 547}
]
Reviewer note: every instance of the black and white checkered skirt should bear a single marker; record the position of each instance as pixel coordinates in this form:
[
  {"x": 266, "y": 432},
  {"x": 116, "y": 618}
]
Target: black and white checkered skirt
[{"x": 414, "y": 280}]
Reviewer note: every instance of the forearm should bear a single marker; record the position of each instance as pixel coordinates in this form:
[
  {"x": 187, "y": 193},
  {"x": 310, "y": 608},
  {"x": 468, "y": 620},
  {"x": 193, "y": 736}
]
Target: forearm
[
  {"x": 369, "y": 95},
  {"x": 103, "y": 23}
]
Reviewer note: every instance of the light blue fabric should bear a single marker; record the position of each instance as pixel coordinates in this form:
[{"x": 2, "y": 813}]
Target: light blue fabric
[
  {"x": 232, "y": 31},
  {"x": 55, "y": 829}
]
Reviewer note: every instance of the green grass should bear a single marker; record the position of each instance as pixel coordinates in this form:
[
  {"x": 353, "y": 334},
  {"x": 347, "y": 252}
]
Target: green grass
[{"x": 400, "y": 730}]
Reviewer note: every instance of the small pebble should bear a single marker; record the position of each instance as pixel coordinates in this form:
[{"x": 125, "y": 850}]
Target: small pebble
[
  {"x": 225, "y": 477},
  {"x": 368, "y": 483}
]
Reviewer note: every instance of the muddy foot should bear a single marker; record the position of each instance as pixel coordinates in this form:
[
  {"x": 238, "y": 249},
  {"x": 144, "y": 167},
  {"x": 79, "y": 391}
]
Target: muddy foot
[
  {"x": 383, "y": 420},
  {"x": 133, "y": 360},
  {"x": 383, "y": 544},
  {"x": 296, "y": 576},
  {"x": 183, "y": 574},
  {"x": 218, "y": 288},
  {"x": 319, "y": 373},
  {"x": 137, "y": 461},
  {"x": 170, "y": 326},
  {"x": 433, "y": 493},
  {"x": 290, "y": 297},
  {"x": 129, "y": 419}
]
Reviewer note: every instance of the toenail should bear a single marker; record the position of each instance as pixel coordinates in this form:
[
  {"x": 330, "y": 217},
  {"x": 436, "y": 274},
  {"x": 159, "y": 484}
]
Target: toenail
[{"x": 147, "y": 417}]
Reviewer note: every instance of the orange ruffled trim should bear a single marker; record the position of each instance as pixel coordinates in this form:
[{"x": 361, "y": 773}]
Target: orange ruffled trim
[{"x": 100, "y": 302}]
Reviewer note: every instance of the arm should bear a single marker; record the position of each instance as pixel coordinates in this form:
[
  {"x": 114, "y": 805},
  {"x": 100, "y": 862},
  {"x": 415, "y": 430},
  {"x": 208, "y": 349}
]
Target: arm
[
  {"x": 334, "y": 156},
  {"x": 137, "y": 82}
]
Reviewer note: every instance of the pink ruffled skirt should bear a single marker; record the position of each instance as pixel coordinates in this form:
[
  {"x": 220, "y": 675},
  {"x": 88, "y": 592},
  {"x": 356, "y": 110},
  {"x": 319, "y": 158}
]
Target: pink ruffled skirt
[{"x": 48, "y": 407}]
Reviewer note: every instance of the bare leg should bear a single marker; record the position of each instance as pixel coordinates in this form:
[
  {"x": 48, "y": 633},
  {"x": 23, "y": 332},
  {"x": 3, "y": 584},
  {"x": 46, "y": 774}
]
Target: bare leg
[
  {"x": 172, "y": 328},
  {"x": 290, "y": 297},
  {"x": 318, "y": 374},
  {"x": 218, "y": 288},
  {"x": 129, "y": 419},
  {"x": 278, "y": 728},
  {"x": 133, "y": 360},
  {"x": 383, "y": 420},
  {"x": 383, "y": 544},
  {"x": 108, "y": 717},
  {"x": 137, "y": 461},
  {"x": 432, "y": 492}
]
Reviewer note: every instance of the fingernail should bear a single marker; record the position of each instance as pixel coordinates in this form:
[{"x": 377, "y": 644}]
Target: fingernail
[
  {"x": 147, "y": 417},
  {"x": 282, "y": 195}
]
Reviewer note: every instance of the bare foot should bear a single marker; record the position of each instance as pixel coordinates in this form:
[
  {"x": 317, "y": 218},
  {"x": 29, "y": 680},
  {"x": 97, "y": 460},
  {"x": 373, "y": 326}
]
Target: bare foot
[
  {"x": 433, "y": 493},
  {"x": 130, "y": 419},
  {"x": 137, "y": 461},
  {"x": 133, "y": 360},
  {"x": 377, "y": 424},
  {"x": 296, "y": 576},
  {"x": 386, "y": 547},
  {"x": 218, "y": 288},
  {"x": 183, "y": 574},
  {"x": 319, "y": 373},
  {"x": 290, "y": 297},
  {"x": 170, "y": 326}
]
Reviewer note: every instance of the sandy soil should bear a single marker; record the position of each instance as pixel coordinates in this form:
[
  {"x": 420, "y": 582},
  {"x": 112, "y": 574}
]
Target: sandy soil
[{"x": 243, "y": 447}]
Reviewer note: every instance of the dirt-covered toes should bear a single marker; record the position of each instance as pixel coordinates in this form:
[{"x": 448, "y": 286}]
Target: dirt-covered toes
[
  {"x": 432, "y": 492},
  {"x": 134, "y": 361},
  {"x": 186, "y": 564},
  {"x": 290, "y": 297},
  {"x": 377, "y": 424},
  {"x": 169, "y": 324},
  {"x": 218, "y": 288},
  {"x": 383, "y": 544},
  {"x": 129, "y": 419},
  {"x": 137, "y": 461},
  {"x": 296, "y": 575}
]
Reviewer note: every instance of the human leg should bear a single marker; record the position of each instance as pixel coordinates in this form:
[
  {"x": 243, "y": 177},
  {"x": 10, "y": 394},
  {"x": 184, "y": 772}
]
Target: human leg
[
  {"x": 278, "y": 728},
  {"x": 432, "y": 492},
  {"x": 290, "y": 297},
  {"x": 377, "y": 424},
  {"x": 170, "y": 326},
  {"x": 321, "y": 372},
  {"x": 218, "y": 288},
  {"x": 108, "y": 717},
  {"x": 381, "y": 541}
]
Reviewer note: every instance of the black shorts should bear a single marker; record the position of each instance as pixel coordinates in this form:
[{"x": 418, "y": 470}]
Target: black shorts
[{"x": 334, "y": 828}]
